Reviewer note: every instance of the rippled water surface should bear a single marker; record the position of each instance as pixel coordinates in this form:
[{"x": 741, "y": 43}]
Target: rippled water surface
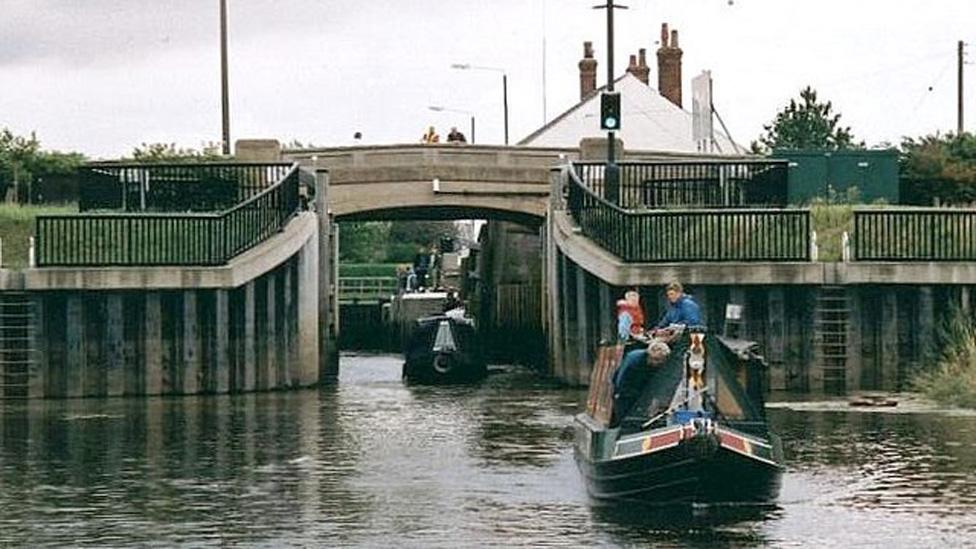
[{"x": 372, "y": 462}]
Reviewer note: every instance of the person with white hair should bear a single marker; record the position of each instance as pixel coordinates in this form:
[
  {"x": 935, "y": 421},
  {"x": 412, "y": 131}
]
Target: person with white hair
[{"x": 632, "y": 375}]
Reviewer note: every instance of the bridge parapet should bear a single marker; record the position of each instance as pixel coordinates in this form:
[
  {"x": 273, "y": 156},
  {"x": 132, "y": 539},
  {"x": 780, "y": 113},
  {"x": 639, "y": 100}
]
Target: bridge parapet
[
  {"x": 428, "y": 155},
  {"x": 180, "y": 238},
  {"x": 663, "y": 235}
]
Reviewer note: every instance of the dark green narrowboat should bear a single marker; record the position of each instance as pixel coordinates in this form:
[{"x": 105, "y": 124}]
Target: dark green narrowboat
[
  {"x": 696, "y": 434},
  {"x": 444, "y": 349}
]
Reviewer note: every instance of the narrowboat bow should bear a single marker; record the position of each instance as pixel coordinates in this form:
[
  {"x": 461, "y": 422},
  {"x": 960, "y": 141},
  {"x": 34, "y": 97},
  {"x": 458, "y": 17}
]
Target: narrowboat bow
[{"x": 696, "y": 434}]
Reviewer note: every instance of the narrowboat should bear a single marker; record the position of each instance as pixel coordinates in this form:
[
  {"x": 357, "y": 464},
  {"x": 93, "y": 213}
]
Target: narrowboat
[
  {"x": 444, "y": 349},
  {"x": 696, "y": 433}
]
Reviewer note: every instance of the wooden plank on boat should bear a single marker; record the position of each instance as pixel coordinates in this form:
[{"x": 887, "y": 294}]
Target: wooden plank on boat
[{"x": 599, "y": 404}]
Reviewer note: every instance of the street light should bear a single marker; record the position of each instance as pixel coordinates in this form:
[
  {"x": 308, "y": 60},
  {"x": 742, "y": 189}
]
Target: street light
[
  {"x": 438, "y": 108},
  {"x": 224, "y": 95},
  {"x": 468, "y": 66}
]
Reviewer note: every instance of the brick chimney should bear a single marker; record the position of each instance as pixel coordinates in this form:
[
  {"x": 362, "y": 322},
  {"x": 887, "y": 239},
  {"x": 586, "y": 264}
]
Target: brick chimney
[
  {"x": 642, "y": 72},
  {"x": 632, "y": 66},
  {"x": 669, "y": 66},
  {"x": 587, "y": 68}
]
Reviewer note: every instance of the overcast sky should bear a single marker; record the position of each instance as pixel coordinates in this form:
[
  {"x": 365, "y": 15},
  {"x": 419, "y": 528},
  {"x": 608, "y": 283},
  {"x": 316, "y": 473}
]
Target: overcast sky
[{"x": 102, "y": 76}]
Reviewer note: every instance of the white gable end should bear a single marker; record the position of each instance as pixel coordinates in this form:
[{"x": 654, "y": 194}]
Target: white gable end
[{"x": 649, "y": 122}]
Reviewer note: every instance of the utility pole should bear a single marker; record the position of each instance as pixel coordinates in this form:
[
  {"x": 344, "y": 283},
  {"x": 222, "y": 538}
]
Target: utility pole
[
  {"x": 505, "y": 102},
  {"x": 611, "y": 172},
  {"x": 961, "y": 62},
  {"x": 224, "y": 95}
]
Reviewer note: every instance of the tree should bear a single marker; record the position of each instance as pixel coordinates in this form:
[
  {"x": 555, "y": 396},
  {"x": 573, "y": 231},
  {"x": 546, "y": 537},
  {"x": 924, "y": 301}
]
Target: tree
[
  {"x": 389, "y": 241},
  {"x": 169, "y": 152},
  {"x": 23, "y": 161},
  {"x": 938, "y": 168},
  {"x": 407, "y": 237},
  {"x": 808, "y": 124},
  {"x": 363, "y": 241}
]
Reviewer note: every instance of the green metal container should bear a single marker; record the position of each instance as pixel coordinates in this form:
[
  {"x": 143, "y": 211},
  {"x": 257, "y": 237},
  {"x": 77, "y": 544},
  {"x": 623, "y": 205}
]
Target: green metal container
[{"x": 812, "y": 172}]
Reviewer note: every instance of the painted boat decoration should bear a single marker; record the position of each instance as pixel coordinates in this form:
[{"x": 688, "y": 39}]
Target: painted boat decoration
[{"x": 696, "y": 432}]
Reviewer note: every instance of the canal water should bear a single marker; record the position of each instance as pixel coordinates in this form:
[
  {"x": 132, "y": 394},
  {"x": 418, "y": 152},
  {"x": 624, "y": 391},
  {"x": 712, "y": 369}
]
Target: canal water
[{"x": 371, "y": 462}]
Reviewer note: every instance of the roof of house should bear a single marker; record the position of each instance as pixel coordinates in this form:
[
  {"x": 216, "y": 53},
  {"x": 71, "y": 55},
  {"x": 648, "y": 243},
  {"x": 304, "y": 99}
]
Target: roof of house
[{"x": 649, "y": 122}]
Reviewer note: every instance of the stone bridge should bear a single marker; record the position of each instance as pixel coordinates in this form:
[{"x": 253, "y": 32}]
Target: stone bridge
[{"x": 420, "y": 181}]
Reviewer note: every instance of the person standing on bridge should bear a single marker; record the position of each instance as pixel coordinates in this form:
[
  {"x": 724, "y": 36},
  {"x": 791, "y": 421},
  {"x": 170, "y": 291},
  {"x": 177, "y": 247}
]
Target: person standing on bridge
[
  {"x": 431, "y": 136},
  {"x": 682, "y": 309},
  {"x": 456, "y": 137}
]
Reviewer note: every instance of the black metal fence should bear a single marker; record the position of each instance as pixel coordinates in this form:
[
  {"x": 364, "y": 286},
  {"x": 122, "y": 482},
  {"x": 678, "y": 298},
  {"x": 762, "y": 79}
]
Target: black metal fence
[
  {"x": 690, "y": 184},
  {"x": 924, "y": 234},
  {"x": 157, "y": 239},
  {"x": 204, "y": 187},
  {"x": 728, "y": 234}
]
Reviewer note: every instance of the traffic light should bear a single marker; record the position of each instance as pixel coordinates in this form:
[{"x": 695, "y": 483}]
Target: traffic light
[{"x": 610, "y": 111}]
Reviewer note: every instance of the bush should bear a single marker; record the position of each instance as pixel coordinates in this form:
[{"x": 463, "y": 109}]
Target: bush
[
  {"x": 938, "y": 169},
  {"x": 952, "y": 380}
]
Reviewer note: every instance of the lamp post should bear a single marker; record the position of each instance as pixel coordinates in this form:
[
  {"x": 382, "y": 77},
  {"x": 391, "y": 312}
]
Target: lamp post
[
  {"x": 224, "y": 94},
  {"x": 468, "y": 66},
  {"x": 438, "y": 108}
]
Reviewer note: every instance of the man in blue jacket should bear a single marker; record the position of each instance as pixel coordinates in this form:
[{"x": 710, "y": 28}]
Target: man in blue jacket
[{"x": 682, "y": 308}]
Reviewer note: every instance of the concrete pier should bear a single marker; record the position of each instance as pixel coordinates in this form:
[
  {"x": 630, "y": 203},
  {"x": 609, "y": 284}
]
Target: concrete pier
[
  {"x": 250, "y": 325},
  {"x": 187, "y": 339}
]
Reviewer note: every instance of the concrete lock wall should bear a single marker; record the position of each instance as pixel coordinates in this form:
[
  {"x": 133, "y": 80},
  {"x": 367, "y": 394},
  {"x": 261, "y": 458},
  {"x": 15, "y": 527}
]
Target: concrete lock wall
[
  {"x": 175, "y": 342},
  {"x": 251, "y": 325},
  {"x": 814, "y": 337}
]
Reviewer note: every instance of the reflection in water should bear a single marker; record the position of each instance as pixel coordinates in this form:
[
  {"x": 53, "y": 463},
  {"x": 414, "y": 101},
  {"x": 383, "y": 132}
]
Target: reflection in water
[{"x": 370, "y": 461}]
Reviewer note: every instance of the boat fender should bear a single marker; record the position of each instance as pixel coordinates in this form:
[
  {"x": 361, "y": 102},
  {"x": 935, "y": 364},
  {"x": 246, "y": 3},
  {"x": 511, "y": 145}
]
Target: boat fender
[{"x": 442, "y": 363}]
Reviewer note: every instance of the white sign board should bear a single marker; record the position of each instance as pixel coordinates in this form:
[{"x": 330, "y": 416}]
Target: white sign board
[
  {"x": 733, "y": 312},
  {"x": 701, "y": 111}
]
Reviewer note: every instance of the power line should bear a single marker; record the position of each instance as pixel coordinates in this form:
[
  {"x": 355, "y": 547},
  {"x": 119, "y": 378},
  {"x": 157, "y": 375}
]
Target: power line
[
  {"x": 931, "y": 86},
  {"x": 915, "y": 62}
]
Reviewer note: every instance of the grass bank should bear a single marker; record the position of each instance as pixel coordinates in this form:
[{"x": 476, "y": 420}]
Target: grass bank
[
  {"x": 952, "y": 381},
  {"x": 367, "y": 269},
  {"x": 831, "y": 221},
  {"x": 17, "y": 226}
]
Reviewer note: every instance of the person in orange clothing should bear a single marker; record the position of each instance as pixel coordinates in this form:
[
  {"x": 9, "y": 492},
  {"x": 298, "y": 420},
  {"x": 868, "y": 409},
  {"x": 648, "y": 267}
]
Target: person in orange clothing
[
  {"x": 431, "y": 136},
  {"x": 630, "y": 317}
]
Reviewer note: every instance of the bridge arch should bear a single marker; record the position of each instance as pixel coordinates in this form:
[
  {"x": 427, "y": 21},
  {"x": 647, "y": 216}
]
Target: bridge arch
[{"x": 524, "y": 214}]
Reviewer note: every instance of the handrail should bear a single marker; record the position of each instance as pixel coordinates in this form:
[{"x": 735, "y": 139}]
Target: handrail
[
  {"x": 714, "y": 183},
  {"x": 586, "y": 189},
  {"x": 697, "y": 234},
  {"x": 914, "y": 234},
  {"x": 294, "y": 168},
  {"x": 659, "y": 211},
  {"x": 197, "y": 186},
  {"x": 216, "y": 164},
  {"x": 157, "y": 239},
  {"x": 361, "y": 288}
]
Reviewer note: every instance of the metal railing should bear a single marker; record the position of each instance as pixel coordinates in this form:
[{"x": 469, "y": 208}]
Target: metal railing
[
  {"x": 690, "y": 184},
  {"x": 366, "y": 288},
  {"x": 161, "y": 239},
  {"x": 723, "y": 234},
  {"x": 917, "y": 234},
  {"x": 203, "y": 187}
]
